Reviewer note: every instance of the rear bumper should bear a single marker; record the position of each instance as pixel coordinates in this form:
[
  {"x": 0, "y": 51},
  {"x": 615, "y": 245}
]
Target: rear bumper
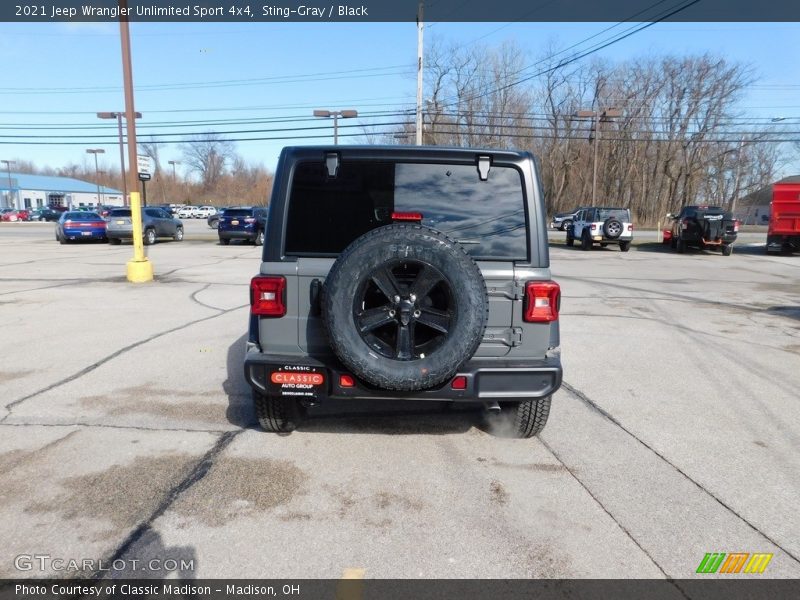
[
  {"x": 237, "y": 234},
  {"x": 486, "y": 380},
  {"x": 80, "y": 234}
]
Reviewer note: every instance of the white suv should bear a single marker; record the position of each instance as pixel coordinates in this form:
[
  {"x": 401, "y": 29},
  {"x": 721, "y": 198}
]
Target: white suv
[{"x": 601, "y": 225}]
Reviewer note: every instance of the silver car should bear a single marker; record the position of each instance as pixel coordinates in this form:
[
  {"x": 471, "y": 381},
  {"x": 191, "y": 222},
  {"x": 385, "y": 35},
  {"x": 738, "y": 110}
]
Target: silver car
[{"x": 156, "y": 223}]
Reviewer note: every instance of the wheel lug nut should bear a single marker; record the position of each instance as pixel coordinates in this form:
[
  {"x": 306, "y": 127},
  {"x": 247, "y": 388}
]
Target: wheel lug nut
[
  {"x": 417, "y": 314},
  {"x": 397, "y": 298},
  {"x": 413, "y": 297},
  {"x": 392, "y": 313}
]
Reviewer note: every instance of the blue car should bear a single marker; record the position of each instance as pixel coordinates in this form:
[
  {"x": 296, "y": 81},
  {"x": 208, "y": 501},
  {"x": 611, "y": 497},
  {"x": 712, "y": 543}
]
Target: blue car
[
  {"x": 242, "y": 223},
  {"x": 80, "y": 225}
]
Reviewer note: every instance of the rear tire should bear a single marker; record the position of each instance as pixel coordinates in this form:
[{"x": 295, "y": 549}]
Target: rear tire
[
  {"x": 178, "y": 234},
  {"x": 224, "y": 241},
  {"x": 727, "y": 250},
  {"x": 586, "y": 243},
  {"x": 522, "y": 419},
  {"x": 570, "y": 238},
  {"x": 680, "y": 246},
  {"x": 259, "y": 241},
  {"x": 276, "y": 414},
  {"x": 565, "y": 225},
  {"x": 149, "y": 236},
  {"x": 114, "y": 241},
  {"x": 624, "y": 246}
]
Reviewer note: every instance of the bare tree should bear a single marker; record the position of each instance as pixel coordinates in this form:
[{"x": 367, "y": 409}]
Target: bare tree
[{"x": 207, "y": 154}]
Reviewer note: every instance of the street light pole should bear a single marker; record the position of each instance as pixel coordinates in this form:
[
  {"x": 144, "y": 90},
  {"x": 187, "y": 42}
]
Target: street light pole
[
  {"x": 345, "y": 114},
  {"x": 8, "y": 164},
  {"x": 173, "y": 163},
  {"x": 96, "y": 151}
]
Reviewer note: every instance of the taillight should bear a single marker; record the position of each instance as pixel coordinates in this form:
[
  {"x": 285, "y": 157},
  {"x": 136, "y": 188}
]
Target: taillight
[
  {"x": 542, "y": 301},
  {"x": 346, "y": 381},
  {"x": 685, "y": 224},
  {"x": 249, "y": 220},
  {"x": 594, "y": 226},
  {"x": 268, "y": 296},
  {"x": 736, "y": 225},
  {"x": 407, "y": 216},
  {"x": 459, "y": 383},
  {"x": 630, "y": 227},
  {"x": 67, "y": 223}
]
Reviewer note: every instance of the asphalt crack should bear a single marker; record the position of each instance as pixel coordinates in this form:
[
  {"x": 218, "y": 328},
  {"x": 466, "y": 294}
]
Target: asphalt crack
[
  {"x": 197, "y": 473},
  {"x": 622, "y": 527},
  {"x": 593, "y": 405},
  {"x": 112, "y": 356}
]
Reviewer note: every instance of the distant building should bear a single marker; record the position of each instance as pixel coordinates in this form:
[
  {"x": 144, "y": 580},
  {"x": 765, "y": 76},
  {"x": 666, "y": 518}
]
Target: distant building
[
  {"x": 32, "y": 191},
  {"x": 753, "y": 209}
]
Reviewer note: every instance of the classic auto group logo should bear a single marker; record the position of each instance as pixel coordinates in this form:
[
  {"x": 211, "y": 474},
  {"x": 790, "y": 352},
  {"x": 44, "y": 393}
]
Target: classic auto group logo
[{"x": 734, "y": 562}]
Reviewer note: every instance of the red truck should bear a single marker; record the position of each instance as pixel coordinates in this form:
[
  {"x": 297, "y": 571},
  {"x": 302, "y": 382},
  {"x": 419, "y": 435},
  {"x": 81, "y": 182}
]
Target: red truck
[{"x": 783, "y": 234}]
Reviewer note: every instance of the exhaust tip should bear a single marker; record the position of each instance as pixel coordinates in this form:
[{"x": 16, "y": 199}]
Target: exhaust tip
[{"x": 492, "y": 407}]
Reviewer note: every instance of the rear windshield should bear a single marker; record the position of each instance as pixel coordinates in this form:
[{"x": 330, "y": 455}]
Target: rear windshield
[
  {"x": 238, "y": 212},
  {"x": 120, "y": 212},
  {"x": 327, "y": 214},
  {"x": 82, "y": 216},
  {"x": 617, "y": 213}
]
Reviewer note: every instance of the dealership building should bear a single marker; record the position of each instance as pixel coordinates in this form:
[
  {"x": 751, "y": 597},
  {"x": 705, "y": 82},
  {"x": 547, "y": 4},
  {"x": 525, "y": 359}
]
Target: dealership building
[{"x": 21, "y": 190}]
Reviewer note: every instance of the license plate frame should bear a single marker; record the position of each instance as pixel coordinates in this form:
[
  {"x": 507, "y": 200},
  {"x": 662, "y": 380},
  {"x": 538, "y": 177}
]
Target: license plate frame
[{"x": 296, "y": 381}]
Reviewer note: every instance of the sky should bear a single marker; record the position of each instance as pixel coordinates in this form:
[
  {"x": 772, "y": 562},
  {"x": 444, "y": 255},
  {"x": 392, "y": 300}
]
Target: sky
[{"x": 61, "y": 74}]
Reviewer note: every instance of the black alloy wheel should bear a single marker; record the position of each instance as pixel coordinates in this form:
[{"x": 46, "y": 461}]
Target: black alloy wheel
[{"x": 404, "y": 309}]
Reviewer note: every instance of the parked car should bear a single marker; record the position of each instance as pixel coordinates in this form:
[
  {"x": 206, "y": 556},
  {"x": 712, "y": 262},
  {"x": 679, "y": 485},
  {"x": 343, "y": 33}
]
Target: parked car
[
  {"x": 9, "y": 215},
  {"x": 601, "y": 225},
  {"x": 80, "y": 225},
  {"x": 186, "y": 212},
  {"x": 783, "y": 234},
  {"x": 242, "y": 223},
  {"x": 404, "y": 273},
  {"x": 564, "y": 219},
  {"x": 203, "y": 212},
  {"x": 703, "y": 227},
  {"x": 45, "y": 213},
  {"x": 156, "y": 223},
  {"x": 24, "y": 214}
]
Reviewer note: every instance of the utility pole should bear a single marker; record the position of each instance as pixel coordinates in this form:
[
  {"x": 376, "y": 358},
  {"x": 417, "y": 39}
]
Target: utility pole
[
  {"x": 738, "y": 175},
  {"x": 118, "y": 116},
  {"x": 8, "y": 164},
  {"x": 140, "y": 269},
  {"x": 598, "y": 116},
  {"x": 420, "y": 30},
  {"x": 96, "y": 151}
]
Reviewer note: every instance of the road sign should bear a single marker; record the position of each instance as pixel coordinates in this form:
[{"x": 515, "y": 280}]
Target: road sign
[
  {"x": 144, "y": 176},
  {"x": 144, "y": 164}
]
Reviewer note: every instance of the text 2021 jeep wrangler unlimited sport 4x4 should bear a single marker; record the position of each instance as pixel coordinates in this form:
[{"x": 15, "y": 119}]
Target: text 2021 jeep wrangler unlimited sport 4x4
[{"x": 404, "y": 273}]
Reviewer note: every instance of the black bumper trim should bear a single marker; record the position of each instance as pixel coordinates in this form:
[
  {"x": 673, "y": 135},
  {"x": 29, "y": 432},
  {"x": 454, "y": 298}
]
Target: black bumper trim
[{"x": 486, "y": 379}]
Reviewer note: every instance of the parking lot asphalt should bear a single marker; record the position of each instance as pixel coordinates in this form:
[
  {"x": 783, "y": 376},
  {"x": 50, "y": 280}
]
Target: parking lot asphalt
[{"x": 126, "y": 430}]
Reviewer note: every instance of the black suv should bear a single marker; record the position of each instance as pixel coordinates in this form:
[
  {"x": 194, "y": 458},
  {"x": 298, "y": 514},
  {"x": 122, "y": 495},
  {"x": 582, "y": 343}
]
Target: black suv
[
  {"x": 704, "y": 227},
  {"x": 405, "y": 273},
  {"x": 242, "y": 223}
]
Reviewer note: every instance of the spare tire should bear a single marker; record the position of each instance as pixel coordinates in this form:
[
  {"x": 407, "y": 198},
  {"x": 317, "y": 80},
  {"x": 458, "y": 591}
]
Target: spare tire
[
  {"x": 612, "y": 228},
  {"x": 404, "y": 306}
]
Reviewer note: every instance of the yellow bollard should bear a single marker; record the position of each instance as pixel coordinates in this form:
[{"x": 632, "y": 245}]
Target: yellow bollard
[{"x": 140, "y": 269}]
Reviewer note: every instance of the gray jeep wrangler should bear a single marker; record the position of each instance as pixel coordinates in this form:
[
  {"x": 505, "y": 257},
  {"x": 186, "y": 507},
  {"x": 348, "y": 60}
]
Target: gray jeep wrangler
[{"x": 404, "y": 273}]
